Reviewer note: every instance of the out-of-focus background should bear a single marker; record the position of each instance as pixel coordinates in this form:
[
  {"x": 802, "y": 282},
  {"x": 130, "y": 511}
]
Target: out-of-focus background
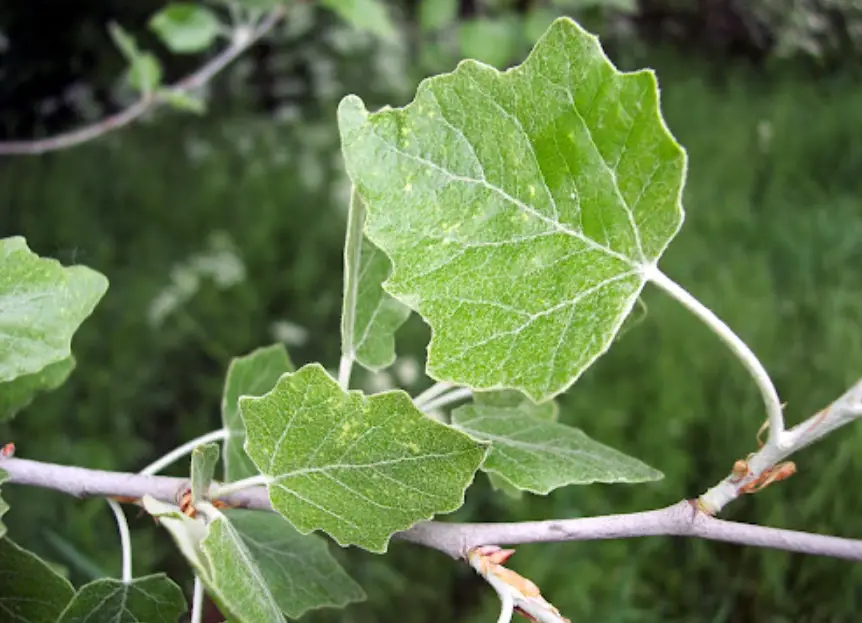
[{"x": 223, "y": 232}]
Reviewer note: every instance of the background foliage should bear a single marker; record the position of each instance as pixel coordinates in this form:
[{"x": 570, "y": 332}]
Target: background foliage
[{"x": 222, "y": 233}]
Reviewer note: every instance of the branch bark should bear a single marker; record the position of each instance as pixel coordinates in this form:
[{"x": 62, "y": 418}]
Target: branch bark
[
  {"x": 456, "y": 539},
  {"x": 123, "y": 118}
]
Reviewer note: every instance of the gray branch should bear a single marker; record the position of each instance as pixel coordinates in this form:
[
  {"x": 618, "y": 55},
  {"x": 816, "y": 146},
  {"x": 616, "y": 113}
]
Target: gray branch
[{"x": 456, "y": 539}]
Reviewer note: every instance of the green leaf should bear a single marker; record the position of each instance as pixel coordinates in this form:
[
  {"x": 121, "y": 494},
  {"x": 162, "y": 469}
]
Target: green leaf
[
  {"x": 508, "y": 399},
  {"x": 145, "y": 71},
  {"x": 521, "y": 210},
  {"x": 367, "y": 15},
  {"x": 251, "y": 375},
  {"x": 186, "y": 28},
  {"x": 150, "y": 599},
  {"x": 181, "y": 100},
  {"x": 42, "y": 304},
  {"x": 18, "y": 394},
  {"x": 30, "y": 590},
  {"x": 370, "y": 316},
  {"x": 360, "y": 468},
  {"x": 234, "y": 576},
  {"x": 186, "y": 532},
  {"x": 145, "y": 74},
  {"x": 488, "y": 40},
  {"x": 204, "y": 461},
  {"x": 539, "y": 455},
  {"x": 437, "y": 14},
  {"x": 4, "y": 507},
  {"x": 298, "y": 569}
]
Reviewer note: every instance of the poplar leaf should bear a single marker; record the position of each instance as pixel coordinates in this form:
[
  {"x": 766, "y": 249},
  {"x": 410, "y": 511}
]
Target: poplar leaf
[
  {"x": 42, "y": 304},
  {"x": 521, "y": 210},
  {"x": 30, "y": 590},
  {"x": 251, "y": 375},
  {"x": 299, "y": 570},
  {"x": 204, "y": 461},
  {"x": 539, "y": 455},
  {"x": 185, "y": 27},
  {"x": 357, "y": 467},
  {"x": 150, "y": 599}
]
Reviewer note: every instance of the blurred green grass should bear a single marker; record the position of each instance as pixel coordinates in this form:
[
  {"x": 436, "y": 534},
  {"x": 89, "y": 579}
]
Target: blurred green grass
[{"x": 772, "y": 242}]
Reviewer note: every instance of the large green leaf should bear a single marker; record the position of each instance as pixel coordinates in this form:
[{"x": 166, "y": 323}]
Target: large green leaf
[
  {"x": 150, "y": 599},
  {"x": 42, "y": 304},
  {"x": 4, "y": 507},
  {"x": 370, "y": 316},
  {"x": 251, "y": 375},
  {"x": 536, "y": 454},
  {"x": 30, "y": 590},
  {"x": 204, "y": 461},
  {"x": 298, "y": 569},
  {"x": 521, "y": 210},
  {"x": 360, "y": 468},
  {"x": 18, "y": 393}
]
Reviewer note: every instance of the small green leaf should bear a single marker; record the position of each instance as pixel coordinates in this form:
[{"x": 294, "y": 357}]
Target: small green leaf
[
  {"x": 251, "y": 375},
  {"x": 204, "y": 461},
  {"x": 521, "y": 210},
  {"x": 239, "y": 586},
  {"x": 42, "y": 304},
  {"x": 124, "y": 41},
  {"x": 368, "y": 15},
  {"x": 30, "y": 590},
  {"x": 370, "y": 316},
  {"x": 4, "y": 507},
  {"x": 437, "y": 14},
  {"x": 513, "y": 399},
  {"x": 491, "y": 41},
  {"x": 145, "y": 74},
  {"x": 16, "y": 395},
  {"x": 186, "y": 28},
  {"x": 360, "y": 468},
  {"x": 145, "y": 71},
  {"x": 539, "y": 455},
  {"x": 181, "y": 100},
  {"x": 298, "y": 569},
  {"x": 150, "y": 599}
]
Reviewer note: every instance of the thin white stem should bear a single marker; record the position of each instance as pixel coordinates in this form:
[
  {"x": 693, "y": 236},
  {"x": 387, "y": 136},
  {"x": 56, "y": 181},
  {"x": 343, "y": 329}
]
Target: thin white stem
[
  {"x": 125, "y": 539},
  {"x": 345, "y": 366},
  {"x": 456, "y": 395},
  {"x": 198, "y": 602},
  {"x": 220, "y": 491},
  {"x": 177, "y": 453},
  {"x": 844, "y": 410},
  {"x": 352, "y": 262},
  {"x": 739, "y": 348},
  {"x": 431, "y": 393},
  {"x": 507, "y": 601}
]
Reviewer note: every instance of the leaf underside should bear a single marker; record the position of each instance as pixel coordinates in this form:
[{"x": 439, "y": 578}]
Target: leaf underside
[{"x": 521, "y": 209}]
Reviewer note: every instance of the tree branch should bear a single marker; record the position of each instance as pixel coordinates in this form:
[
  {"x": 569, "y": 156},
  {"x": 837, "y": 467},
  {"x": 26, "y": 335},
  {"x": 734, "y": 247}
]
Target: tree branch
[
  {"x": 240, "y": 43},
  {"x": 456, "y": 539}
]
